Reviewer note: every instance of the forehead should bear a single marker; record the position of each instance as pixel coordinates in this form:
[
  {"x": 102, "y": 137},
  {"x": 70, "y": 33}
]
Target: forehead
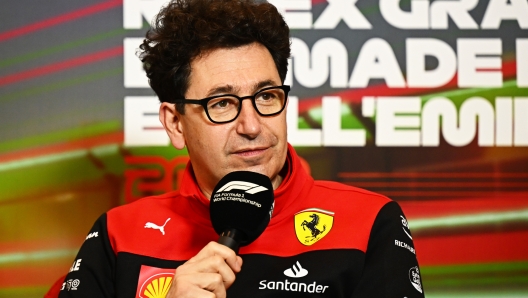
[{"x": 242, "y": 68}]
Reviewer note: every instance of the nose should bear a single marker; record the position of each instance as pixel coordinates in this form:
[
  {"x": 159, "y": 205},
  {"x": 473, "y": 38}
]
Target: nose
[{"x": 248, "y": 121}]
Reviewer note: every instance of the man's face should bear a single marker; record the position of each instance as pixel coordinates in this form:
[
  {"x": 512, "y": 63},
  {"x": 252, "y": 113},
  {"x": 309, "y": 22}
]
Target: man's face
[{"x": 251, "y": 142}]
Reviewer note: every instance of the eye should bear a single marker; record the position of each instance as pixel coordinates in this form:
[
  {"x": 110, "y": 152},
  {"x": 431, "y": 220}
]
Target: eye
[
  {"x": 266, "y": 96},
  {"x": 222, "y": 103}
]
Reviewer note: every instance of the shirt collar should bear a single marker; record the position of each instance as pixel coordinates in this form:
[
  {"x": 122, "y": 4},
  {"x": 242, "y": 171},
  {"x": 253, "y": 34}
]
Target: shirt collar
[{"x": 295, "y": 181}]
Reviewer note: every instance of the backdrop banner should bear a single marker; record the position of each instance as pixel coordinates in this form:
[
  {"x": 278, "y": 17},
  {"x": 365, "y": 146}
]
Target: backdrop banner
[{"x": 423, "y": 101}]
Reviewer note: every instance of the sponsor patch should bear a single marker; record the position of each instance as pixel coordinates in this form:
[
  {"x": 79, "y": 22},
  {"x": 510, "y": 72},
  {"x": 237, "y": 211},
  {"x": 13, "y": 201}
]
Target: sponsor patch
[
  {"x": 311, "y": 225},
  {"x": 248, "y": 187},
  {"x": 76, "y": 265},
  {"x": 296, "y": 271},
  {"x": 294, "y": 286},
  {"x": 414, "y": 277},
  {"x": 154, "y": 282},
  {"x": 150, "y": 225},
  {"x": 92, "y": 235},
  {"x": 405, "y": 227},
  {"x": 71, "y": 284},
  {"x": 404, "y": 245}
]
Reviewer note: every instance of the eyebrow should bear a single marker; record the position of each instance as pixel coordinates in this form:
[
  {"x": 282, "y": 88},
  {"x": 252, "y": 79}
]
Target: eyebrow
[
  {"x": 230, "y": 89},
  {"x": 221, "y": 90},
  {"x": 266, "y": 83}
]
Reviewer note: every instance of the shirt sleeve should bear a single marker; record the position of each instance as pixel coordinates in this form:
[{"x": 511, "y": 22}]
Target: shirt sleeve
[
  {"x": 391, "y": 268},
  {"x": 92, "y": 272}
]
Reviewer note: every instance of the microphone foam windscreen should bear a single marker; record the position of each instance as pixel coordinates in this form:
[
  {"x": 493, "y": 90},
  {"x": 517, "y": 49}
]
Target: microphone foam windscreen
[{"x": 242, "y": 201}]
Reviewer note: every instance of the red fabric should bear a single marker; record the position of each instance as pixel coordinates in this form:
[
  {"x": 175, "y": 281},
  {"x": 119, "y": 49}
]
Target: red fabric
[{"x": 188, "y": 211}]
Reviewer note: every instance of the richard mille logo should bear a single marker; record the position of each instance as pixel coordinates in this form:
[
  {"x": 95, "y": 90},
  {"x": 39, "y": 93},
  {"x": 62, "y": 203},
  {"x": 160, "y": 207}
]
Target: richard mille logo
[
  {"x": 154, "y": 226},
  {"x": 248, "y": 187}
]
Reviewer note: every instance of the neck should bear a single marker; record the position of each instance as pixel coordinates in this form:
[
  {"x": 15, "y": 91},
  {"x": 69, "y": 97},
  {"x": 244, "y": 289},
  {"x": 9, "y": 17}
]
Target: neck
[{"x": 277, "y": 181}]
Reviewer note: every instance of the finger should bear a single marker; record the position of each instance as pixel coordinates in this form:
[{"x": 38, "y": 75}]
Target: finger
[
  {"x": 212, "y": 264},
  {"x": 214, "y": 248},
  {"x": 199, "y": 285},
  {"x": 215, "y": 285},
  {"x": 239, "y": 263},
  {"x": 190, "y": 292}
]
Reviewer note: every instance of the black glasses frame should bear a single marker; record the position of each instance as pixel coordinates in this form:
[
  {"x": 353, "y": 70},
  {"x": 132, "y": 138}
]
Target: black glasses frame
[{"x": 203, "y": 102}]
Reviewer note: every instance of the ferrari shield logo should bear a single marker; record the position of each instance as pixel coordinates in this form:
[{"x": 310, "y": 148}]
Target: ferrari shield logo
[{"x": 311, "y": 225}]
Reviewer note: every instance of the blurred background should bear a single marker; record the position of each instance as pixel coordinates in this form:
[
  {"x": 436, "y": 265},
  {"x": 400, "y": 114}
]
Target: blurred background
[{"x": 69, "y": 150}]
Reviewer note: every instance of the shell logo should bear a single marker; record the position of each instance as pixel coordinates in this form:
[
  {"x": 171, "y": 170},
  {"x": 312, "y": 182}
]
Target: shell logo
[
  {"x": 154, "y": 282},
  {"x": 158, "y": 287}
]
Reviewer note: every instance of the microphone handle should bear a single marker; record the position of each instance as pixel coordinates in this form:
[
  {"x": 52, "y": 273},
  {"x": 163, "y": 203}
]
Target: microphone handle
[{"x": 231, "y": 239}]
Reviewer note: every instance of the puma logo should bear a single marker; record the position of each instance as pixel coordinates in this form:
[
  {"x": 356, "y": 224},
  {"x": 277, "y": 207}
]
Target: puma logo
[{"x": 154, "y": 226}]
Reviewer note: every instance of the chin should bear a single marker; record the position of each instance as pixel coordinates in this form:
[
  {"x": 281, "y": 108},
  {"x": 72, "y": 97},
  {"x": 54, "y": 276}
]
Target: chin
[{"x": 261, "y": 169}]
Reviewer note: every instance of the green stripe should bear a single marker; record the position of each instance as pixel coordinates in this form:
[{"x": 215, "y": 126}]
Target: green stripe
[
  {"x": 62, "y": 136},
  {"x": 25, "y": 292},
  {"x": 508, "y": 89},
  {"x": 60, "y": 48},
  {"x": 474, "y": 294},
  {"x": 46, "y": 159},
  {"x": 456, "y": 96},
  {"x": 36, "y": 256},
  {"x": 432, "y": 271},
  {"x": 469, "y": 220},
  {"x": 477, "y": 281},
  {"x": 61, "y": 84},
  {"x": 468, "y": 279}
]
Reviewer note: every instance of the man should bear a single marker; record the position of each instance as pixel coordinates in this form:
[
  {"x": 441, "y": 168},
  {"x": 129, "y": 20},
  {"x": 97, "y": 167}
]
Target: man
[{"x": 218, "y": 68}]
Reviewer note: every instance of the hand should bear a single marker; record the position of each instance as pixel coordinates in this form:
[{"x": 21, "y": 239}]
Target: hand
[{"x": 208, "y": 274}]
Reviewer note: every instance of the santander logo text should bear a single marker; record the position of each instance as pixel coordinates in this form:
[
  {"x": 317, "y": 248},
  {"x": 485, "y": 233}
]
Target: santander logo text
[{"x": 296, "y": 271}]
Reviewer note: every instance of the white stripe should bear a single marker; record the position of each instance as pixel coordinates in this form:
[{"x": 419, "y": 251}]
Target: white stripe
[
  {"x": 229, "y": 185},
  {"x": 256, "y": 189}
]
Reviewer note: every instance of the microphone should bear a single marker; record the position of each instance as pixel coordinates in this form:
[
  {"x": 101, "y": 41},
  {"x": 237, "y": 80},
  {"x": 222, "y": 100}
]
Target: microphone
[{"x": 241, "y": 206}]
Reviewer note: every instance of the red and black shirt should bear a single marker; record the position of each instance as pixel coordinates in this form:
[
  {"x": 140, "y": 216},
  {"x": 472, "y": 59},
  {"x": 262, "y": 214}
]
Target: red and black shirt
[{"x": 325, "y": 239}]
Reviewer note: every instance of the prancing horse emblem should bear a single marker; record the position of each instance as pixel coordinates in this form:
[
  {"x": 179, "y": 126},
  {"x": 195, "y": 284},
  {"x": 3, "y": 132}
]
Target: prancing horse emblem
[{"x": 312, "y": 224}]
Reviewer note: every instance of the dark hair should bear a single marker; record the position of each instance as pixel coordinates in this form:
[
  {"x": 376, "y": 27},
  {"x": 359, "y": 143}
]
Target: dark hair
[{"x": 185, "y": 29}]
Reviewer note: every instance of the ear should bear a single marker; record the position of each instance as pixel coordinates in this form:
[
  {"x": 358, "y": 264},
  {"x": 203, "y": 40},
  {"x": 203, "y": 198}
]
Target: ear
[{"x": 170, "y": 118}]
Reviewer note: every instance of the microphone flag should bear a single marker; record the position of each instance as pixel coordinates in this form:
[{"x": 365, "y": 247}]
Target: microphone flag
[{"x": 241, "y": 207}]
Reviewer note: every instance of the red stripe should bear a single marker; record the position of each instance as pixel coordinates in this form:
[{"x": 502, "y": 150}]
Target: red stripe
[
  {"x": 70, "y": 16},
  {"x": 41, "y": 274},
  {"x": 422, "y": 209},
  {"x": 473, "y": 248},
  {"x": 421, "y": 175},
  {"x": 440, "y": 193},
  {"x": 356, "y": 95},
  {"x": 425, "y": 184},
  {"x": 51, "y": 68}
]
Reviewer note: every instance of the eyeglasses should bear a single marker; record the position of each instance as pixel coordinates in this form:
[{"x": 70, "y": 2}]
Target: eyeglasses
[{"x": 226, "y": 107}]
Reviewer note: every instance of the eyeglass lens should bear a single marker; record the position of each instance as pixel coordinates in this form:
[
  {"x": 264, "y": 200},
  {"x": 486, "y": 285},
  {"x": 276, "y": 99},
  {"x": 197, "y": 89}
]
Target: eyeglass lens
[{"x": 226, "y": 108}]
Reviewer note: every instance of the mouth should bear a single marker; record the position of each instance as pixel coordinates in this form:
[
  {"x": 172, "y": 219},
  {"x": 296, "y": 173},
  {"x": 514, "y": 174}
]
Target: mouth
[{"x": 250, "y": 152}]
